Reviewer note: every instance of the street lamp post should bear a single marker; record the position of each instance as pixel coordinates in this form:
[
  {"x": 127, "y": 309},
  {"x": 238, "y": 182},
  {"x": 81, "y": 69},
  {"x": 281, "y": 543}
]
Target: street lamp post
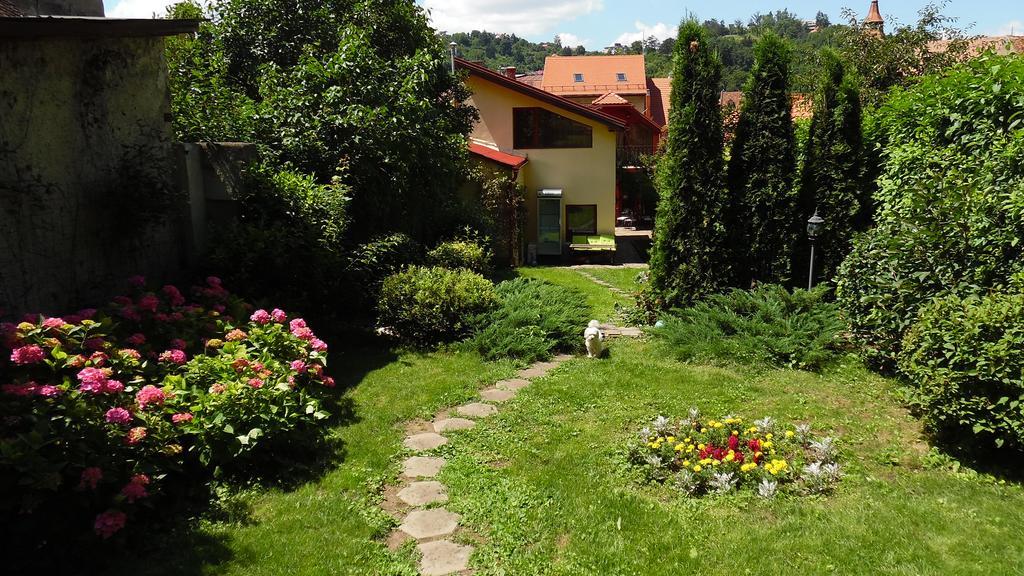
[
  {"x": 814, "y": 228},
  {"x": 453, "y": 47}
]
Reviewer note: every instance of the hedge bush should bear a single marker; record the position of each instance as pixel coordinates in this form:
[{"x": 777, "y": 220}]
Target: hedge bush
[
  {"x": 109, "y": 417},
  {"x": 767, "y": 325},
  {"x": 534, "y": 320},
  {"x": 469, "y": 252},
  {"x": 966, "y": 356},
  {"x": 431, "y": 305}
]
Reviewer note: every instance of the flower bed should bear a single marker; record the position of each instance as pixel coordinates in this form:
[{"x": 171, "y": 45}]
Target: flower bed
[
  {"x": 703, "y": 456},
  {"x": 105, "y": 414}
]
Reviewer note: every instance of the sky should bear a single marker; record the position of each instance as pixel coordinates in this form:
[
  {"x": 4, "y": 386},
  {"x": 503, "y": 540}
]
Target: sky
[{"x": 599, "y": 23}]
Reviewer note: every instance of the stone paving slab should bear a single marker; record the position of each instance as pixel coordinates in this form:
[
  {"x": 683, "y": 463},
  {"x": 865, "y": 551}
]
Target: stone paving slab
[
  {"x": 433, "y": 523},
  {"x": 538, "y": 370},
  {"x": 562, "y": 358},
  {"x": 446, "y": 424},
  {"x": 515, "y": 385},
  {"x": 443, "y": 557},
  {"x": 422, "y": 467},
  {"x": 496, "y": 395},
  {"x": 425, "y": 441},
  {"x": 477, "y": 410},
  {"x": 424, "y": 493}
]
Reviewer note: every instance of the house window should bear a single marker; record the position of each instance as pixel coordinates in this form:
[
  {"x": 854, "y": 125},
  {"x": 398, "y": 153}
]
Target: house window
[
  {"x": 535, "y": 128},
  {"x": 577, "y": 77},
  {"x": 620, "y": 77},
  {"x": 580, "y": 220}
]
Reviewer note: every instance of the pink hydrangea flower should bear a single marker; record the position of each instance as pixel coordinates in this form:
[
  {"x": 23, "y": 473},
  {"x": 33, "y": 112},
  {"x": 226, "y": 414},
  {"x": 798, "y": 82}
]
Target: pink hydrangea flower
[
  {"x": 213, "y": 281},
  {"x": 317, "y": 370},
  {"x": 93, "y": 344},
  {"x": 130, "y": 353},
  {"x": 27, "y": 389},
  {"x": 86, "y": 313},
  {"x": 318, "y": 345},
  {"x": 122, "y": 300},
  {"x": 148, "y": 302},
  {"x": 130, "y": 313},
  {"x": 90, "y": 478},
  {"x": 31, "y": 354},
  {"x": 133, "y": 491},
  {"x": 181, "y": 418},
  {"x": 219, "y": 308},
  {"x": 278, "y": 315},
  {"x": 256, "y": 383},
  {"x": 173, "y": 356},
  {"x": 98, "y": 358},
  {"x": 304, "y": 334},
  {"x": 136, "y": 339},
  {"x": 92, "y": 380},
  {"x": 296, "y": 324},
  {"x": 173, "y": 295},
  {"x": 53, "y": 323},
  {"x": 137, "y": 281},
  {"x": 118, "y": 415},
  {"x": 150, "y": 396},
  {"x": 113, "y": 387},
  {"x": 135, "y": 435},
  {"x": 109, "y": 523},
  {"x": 48, "y": 391},
  {"x": 76, "y": 361},
  {"x": 257, "y": 366},
  {"x": 240, "y": 364},
  {"x": 217, "y": 389},
  {"x": 235, "y": 335},
  {"x": 260, "y": 316},
  {"x": 329, "y": 382},
  {"x": 299, "y": 366},
  {"x": 179, "y": 344}
]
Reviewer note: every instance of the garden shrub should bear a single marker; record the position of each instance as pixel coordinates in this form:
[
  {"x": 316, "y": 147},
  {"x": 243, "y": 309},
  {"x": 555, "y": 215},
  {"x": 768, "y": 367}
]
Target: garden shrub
[
  {"x": 471, "y": 252},
  {"x": 112, "y": 417},
  {"x": 369, "y": 264},
  {"x": 534, "y": 320},
  {"x": 432, "y": 305},
  {"x": 950, "y": 216},
  {"x": 965, "y": 355},
  {"x": 766, "y": 325},
  {"x": 706, "y": 456}
]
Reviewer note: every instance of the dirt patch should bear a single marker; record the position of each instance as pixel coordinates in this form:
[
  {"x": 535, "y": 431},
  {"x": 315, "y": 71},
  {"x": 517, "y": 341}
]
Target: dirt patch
[
  {"x": 396, "y": 540},
  {"x": 499, "y": 464},
  {"x": 414, "y": 427},
  {"x": 392, "y": 504}
]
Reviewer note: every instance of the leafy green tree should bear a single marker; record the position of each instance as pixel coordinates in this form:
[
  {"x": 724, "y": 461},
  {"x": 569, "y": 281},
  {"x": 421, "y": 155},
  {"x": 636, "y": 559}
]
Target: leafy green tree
[
  {"x": 763, "y": 212},
  {"x": 832, "y": 182},
  {"x": 687, "y": 260}
]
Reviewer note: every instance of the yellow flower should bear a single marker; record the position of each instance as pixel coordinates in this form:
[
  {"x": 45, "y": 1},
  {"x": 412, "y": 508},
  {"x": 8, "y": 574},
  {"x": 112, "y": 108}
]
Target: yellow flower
[
  {"x": 671, "y": 439},
  {"x": 789, "y": 434},
  {"x": 679, "y": 447},
  {"x": 686, "y": 463},
  {"x": 730, "y": 457},
  {"x": 769, "y": 436},
  {"x": 719, "y": 425},
  {"x": 735, "y": 432},
  {"x": 700, "y": 446},
  {"x": 768, "y": 444},
  {"x": 697, "y": 468},
  {"x": 703, "y": 430}
]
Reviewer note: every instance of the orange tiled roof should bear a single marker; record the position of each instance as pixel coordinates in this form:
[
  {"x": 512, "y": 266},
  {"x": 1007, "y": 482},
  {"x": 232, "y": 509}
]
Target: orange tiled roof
[
  {"x": 7, "y": 10},
  {"x": 610, "y": 99},
  {"x": 999, "y": 44},
  {"x": 599, "y": 75},
  {"x": 534, "y": 79},
  {"x": 874, "y": 14},
  {"x": 661, "y": 92},
  {"x": 510, "y": 160}
]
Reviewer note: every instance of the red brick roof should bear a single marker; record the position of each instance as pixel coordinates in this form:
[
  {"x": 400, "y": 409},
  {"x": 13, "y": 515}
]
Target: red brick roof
[
  {"x": 874, "y": 14},
  {"x": 534, "y": 79},
  {"x": 661, "y": 91},
  {"x": 610, "y": 99},
  {"x": 598, "y": 75},
  {"x": 511, "y": 160}
]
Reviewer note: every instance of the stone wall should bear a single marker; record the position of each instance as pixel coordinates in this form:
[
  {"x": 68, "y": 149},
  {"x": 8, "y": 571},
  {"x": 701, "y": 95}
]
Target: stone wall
[{"x": 91, "y": 186}]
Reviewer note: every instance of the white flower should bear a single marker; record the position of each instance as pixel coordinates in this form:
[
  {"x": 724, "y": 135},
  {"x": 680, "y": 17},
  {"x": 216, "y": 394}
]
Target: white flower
[
  {"x": 723, "y": 482},
  {"x": 687, "y": 482},
  {"x": 766, "y": 425},
  {"x": 823, "y": 450},
  {"x": 767, "y": 489},
  {"x": 661, "y": 425},
  {"x": 803, "y": 433}
]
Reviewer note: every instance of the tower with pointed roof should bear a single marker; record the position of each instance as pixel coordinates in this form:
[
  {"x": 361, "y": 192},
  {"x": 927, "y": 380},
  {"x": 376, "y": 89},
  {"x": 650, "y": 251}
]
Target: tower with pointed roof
[{"x": 874, "y": 21}]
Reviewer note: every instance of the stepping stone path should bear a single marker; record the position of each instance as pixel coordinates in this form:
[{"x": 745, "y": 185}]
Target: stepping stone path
[{"x": 432, "y": 527}]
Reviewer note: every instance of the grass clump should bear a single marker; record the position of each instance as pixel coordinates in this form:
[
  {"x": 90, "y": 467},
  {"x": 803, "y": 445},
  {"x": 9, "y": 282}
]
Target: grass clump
[
  {"x": 534, "y": 320},
  {"x": 768, "y": 325}
]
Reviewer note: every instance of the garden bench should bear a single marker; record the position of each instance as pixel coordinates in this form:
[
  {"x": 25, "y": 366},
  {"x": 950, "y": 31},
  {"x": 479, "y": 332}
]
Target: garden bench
[{"x": 594, "y": 244}]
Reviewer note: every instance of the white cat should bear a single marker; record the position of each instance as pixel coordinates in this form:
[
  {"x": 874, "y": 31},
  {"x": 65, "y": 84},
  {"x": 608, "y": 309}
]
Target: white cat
[{"x": 594, "y": 339}]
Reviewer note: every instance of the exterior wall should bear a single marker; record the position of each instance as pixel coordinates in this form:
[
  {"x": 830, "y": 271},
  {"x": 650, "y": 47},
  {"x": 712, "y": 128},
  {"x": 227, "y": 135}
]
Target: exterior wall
[
  {"x": 60, "y": 7},
  {"x": 585, "y": 176},
  {"x": 638, "y": 101},
  {"x": 90, "y": 187}
]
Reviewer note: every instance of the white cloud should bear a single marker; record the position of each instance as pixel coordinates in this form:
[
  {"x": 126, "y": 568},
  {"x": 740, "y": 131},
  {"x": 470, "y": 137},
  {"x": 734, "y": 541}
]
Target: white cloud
[
  {"x": 661, "y": 31},
  {"x": 571, "y": 40},
  {"x": 520, "y": 17},
  {"x": 139, "y": 8},
  {"x": 1013, "y": 27}
]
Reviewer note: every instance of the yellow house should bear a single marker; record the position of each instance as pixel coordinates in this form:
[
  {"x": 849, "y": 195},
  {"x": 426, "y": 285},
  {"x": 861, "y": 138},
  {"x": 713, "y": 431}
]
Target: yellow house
[{"x": 561, "y": 151}]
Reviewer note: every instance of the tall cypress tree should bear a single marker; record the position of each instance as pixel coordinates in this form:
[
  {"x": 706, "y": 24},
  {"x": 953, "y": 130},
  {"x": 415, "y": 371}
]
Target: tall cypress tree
[
  {"x": 687, "y": 260},
  {"x": 832, "y": 181},
  {"x": 763, "y": 217}
]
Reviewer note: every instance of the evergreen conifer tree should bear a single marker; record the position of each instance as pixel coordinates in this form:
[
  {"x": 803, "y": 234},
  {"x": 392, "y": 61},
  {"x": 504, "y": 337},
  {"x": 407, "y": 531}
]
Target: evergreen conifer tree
[
  {"x": 687, "y": 258},
  {"x": 832, "y": 182},
  {"x": 763, "y": 216}
]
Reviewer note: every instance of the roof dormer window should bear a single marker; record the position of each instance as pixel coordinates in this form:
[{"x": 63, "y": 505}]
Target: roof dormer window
[
  {"x": 620, "y": 77},
  {"x": 577, "y": 77}
]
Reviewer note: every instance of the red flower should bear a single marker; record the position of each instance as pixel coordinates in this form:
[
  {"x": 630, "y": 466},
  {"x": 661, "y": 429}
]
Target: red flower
[
  {"x": 734, "y": 442},
  {"x": 754, "y": 445}
]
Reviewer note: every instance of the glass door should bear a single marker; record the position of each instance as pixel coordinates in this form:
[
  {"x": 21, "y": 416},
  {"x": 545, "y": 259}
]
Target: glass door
[{"x": 549, "y": 226}]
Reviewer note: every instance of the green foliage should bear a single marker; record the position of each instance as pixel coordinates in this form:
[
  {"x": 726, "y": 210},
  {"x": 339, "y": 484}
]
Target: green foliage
[
  {"x": 832, "y": 181},
  {"x": 767, "y": 325},
  {"x": 950, "y": 200},
  {"x": 367, "y": 265},
  {"x": 534, "y": 320},
  {"x": 427, "y": 306},
  {"x": 504, "y": 209},
  {"x": 500, "y": 50},
  {"x": 966, "y": 356},
  {"x": 686, "y": 259},
  {"x": 763, "y": 214},
  {"x": 469, "y": 251}
]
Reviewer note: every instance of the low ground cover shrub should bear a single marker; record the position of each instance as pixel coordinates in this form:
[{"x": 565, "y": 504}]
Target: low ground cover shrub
[
  {"x": 770, "y": 325},
  {"x": 706, "y": 456},
  {"x": 965, "y": 357},
  {"x": 534, "y": 320},
  {"x": 469, "y": 251},
  {"x": 110, "y": 417},
  {"x": 431, "y": 305}
]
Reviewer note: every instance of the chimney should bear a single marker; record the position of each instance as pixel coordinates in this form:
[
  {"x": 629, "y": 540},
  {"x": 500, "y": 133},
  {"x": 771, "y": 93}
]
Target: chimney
[{"x": 509, "y": 71}]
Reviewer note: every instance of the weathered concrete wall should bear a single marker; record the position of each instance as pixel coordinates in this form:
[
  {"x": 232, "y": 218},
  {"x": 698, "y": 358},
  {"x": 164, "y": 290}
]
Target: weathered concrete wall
[
  {"x": 90, "y": 186},
  {"x": 60, "y": 7}
]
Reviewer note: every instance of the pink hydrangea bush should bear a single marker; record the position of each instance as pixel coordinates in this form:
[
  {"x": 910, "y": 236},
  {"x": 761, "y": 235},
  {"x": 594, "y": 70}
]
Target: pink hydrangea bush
[{"x": 104, "y": 412}]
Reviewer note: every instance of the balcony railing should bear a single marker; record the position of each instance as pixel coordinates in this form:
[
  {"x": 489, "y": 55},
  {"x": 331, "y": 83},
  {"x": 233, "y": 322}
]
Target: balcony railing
[{"x": 632, "y": 155}]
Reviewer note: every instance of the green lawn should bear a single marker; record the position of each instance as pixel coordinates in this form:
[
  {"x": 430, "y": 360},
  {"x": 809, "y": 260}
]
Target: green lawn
[
  {"x": 622, "y": 278},
  {"x": 601, "y": 300},
  {"x": 543, "y": 488}
]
